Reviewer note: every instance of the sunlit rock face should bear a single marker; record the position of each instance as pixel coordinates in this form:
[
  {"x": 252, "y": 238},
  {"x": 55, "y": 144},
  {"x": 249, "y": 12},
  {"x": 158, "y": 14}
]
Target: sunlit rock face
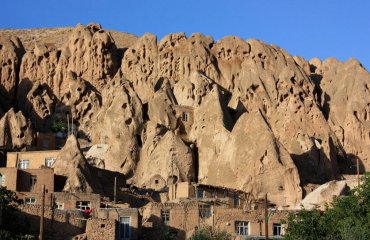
[{"x": 236, "y": 113}]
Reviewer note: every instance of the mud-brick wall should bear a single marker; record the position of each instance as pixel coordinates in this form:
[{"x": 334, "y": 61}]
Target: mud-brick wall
[
  {"x": 36, "y": 158},
  {"x": 10, "y": 175},
  {"x": 57, "y": 223},
  {"x": 113, "y": 214},
  {"x": 44, "y": 176},
  {"x": 225, "y": 218},
  {"x": 184, "y": 218}
]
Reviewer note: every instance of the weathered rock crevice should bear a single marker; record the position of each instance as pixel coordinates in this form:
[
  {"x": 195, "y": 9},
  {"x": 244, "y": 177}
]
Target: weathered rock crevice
[{"x": 232, "y": 113}]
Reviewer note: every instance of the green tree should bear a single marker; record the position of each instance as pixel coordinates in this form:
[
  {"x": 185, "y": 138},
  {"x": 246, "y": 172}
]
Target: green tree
[
  {"x": 59, "y": 125},
  {"x": 348, "y": 218},
  {"x": 10, "y": 227},
  {"x": 7, "y": 198},
  {"x": 167, "y": 233},
  {"x": 208, "y": 233}
]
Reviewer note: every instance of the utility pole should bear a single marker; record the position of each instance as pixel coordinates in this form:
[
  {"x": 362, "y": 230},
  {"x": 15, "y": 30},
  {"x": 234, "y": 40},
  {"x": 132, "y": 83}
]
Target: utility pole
[
  {"x": 196, "y": 199},
  {"x": 41, "y": 236},
  {"x": 115, "y": 190},
  {"x": 266, "y": 219}
]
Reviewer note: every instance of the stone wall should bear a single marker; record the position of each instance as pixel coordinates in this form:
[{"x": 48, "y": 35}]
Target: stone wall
[
  {"x": 97, "y": 229},
  {"x": 69, "y": 199},
  {"x": 58, "y": 224},
  {"x": 113, "y": 214}
]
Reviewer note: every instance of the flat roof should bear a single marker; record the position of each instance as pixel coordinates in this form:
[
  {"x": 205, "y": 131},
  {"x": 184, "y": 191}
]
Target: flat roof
[{"x": 28, "y": 152}]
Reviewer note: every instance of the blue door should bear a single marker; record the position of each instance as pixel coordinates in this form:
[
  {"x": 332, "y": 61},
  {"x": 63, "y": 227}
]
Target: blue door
[{"x": 124, "y": 228}]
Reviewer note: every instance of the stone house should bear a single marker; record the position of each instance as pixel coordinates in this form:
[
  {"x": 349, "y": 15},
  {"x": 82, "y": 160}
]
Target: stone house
[
  {"x": 61, "y": 200},
  {"x": 28, "y": 171},
  {"x": 31, "y": 159},
  {"x": 185, "y": 190},
  {"x": 185, "y": 116},
  {"x": 27, "y": 180},
  {"x": 187, "y": 216},
  {"x": 123, "y": 223}
]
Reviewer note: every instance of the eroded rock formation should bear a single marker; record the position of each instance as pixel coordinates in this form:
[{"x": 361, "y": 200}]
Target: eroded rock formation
[
  {"x": 169, "y": 158},
  {"x": 325, "y": 194},
  {"x": 72, "y": 164},
  {"x": 119, "y": 124},
  {"x": 11, "y": 51},
  {"x": 229, "y": 113},
  {"x": 16, "y": 131},
  {"x": 345, "y": 99}
]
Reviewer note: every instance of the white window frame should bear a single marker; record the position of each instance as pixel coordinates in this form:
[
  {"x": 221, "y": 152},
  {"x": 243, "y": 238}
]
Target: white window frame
[
  {"x": 49, "y": 161},
  {"x": 80, "y": 205},
  {"x": 2, "y": 182},
  {"x": 30, "y": 201},
  {"x": 122, "y": 224},
  {"x": 166, "y": 216},
  {"x": 278, "y": 227},
  {"x": 24, "y": 164},
  {"x": 242, "y": 228}
]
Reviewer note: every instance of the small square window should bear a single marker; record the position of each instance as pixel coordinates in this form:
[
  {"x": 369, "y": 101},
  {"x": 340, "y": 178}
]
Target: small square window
[
  {"x": 30, "y": 201},
  {"x": 49, "y": 161},
  {"x": 241, "y": 228},
  {"x": 205, "y": 210},
  {"x": 83, "y": 205},
  {"x": 59, "y": 205},
  {"x": 165, "y": 215},
  {"x": 277, "y": 229},
  {"x": 23, "y": 164}
]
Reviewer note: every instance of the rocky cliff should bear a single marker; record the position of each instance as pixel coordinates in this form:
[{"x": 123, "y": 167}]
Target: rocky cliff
[{"x": 234, "y": 113}]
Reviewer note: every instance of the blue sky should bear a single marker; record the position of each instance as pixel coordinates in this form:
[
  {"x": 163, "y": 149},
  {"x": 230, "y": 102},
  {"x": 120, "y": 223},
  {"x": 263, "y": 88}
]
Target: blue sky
[{"x": 315, "y": 28}]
